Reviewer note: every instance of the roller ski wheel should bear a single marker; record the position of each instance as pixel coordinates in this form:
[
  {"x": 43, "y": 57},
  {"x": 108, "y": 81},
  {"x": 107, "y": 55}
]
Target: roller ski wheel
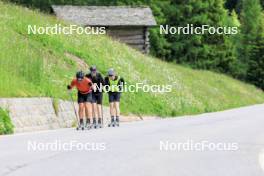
[
  {"x": 94, "y": 126},
  {"x": 80, "y": 127},
  {"x": 88, "y": 127},
  {"x": 112, "y": 124},
  {"x": 99, "y": 125}
]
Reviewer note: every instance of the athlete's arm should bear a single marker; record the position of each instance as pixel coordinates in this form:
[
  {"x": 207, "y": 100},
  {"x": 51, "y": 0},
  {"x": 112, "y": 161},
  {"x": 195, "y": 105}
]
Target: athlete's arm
[
  {"x": 106, "y": 84},
  {"x": 121, "y": 81},
  {"x": 89, "y": 82},
  {"x": 88, "y": 76},
  {"x": 73, "y": 83},
  {"x": 101, "y": 79}
]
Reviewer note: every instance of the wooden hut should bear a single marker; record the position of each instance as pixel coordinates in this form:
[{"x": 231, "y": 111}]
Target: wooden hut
[{"x": 129, "y": 25}]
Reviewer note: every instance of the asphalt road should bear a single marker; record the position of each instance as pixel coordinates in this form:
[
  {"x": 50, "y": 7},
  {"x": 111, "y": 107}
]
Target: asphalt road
[{"x": 229, "y": 143}]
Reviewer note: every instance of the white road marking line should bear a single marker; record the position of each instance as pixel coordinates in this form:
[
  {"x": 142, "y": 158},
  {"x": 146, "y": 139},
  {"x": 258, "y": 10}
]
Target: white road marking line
[{"x": 261, "y": 159}]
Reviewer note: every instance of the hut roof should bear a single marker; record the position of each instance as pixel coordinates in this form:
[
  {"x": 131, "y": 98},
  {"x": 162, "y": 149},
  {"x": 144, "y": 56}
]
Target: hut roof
[{"x": 105, "y": 15}]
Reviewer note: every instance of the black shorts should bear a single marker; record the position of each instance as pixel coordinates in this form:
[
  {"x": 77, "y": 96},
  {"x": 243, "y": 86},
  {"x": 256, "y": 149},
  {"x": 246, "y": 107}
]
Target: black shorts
[
  {"x": 84, "y": 98},
  {"x": 114, "y": 96},
  {"x": 97, "y": 98}
]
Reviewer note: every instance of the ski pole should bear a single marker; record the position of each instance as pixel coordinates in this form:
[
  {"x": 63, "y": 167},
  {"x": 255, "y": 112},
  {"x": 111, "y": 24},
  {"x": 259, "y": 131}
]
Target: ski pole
[
  {"x": 102, "y": 112},
  {"x": 77, "y": 118}
]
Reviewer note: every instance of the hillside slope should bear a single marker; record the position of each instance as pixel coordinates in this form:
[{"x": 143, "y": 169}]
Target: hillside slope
[{"x": 42, "y": 65}]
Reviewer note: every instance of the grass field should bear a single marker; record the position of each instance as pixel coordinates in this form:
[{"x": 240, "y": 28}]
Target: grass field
[{"x": 37, "y": 65}]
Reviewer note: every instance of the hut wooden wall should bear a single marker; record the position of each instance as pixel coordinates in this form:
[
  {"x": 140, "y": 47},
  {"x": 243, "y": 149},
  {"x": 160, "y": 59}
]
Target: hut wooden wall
[{"x": 136, "y": 37}]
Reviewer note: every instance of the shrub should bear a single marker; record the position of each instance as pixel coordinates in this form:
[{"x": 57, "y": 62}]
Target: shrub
[
  {"x": 6, "y": 126},
  {"x": 55, "y": 103}
]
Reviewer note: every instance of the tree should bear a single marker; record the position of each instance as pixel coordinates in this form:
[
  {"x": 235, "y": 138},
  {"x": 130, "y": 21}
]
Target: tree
[
  {"x": 208, "y": 51},
  {"x": 255, "y": 72},
  {"x": 251, "y": 17}
]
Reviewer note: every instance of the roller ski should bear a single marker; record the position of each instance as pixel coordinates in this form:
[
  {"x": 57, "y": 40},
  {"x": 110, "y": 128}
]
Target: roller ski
[
  {"x": 94, "y": 126},
  {"x": 80, "y": 126},
  {"x": 112, "y": 123},
  {"x": 99, "y": 125},
  {"x": 88, "y": 125},
  {"x": 117, "y": 122}
]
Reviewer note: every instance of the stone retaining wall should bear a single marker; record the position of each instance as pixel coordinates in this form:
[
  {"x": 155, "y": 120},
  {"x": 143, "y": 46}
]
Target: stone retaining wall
[{"x": 33, "y": 114}]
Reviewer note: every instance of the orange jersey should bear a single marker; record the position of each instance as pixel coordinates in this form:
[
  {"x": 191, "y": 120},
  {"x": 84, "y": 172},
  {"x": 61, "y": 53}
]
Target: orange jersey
[{"x": 84, "y": 86}]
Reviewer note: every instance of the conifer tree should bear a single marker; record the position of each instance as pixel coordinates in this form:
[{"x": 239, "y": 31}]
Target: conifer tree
[
  {"x": 255, "y": 72},
  {"x": 251, "y": 17},
  {"x": 208, "y": 51}
]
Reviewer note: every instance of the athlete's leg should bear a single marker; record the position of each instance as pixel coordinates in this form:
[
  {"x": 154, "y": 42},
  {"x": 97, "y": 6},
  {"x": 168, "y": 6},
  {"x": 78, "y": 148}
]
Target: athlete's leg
[
  {"x": 88, "y": 111},
  {"x": 81, "y": 112},
  {"x": 117, "y": 109},
  {"x": 99, "y": 101},
  {"x": 112, "y": 109},
  {"x": 88, "y": 108},
  {"x": 94, "y": 113},
  {"x": 94, "y": 107},
  {"x": 116, "y": 104},
  {"x": 99, "y": 110}
]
